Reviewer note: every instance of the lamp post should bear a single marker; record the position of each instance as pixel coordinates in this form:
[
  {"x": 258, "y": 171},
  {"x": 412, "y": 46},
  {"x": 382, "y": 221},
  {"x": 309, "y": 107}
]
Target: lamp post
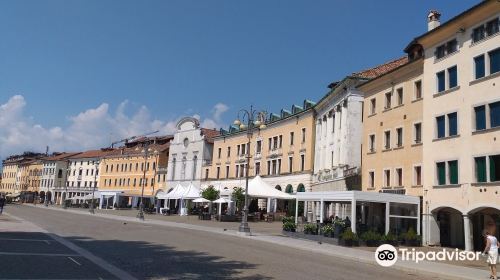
[
  {"x": 140, "y": 215},
  {"x": 96, "y": 165},
  {"x": 254, "y": 120},
  {"x": 68, "y": 172}
]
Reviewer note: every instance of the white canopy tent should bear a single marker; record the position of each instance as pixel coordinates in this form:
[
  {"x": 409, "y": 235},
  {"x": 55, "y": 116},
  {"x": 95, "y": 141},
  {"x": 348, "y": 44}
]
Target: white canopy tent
[
  {"x": 201, "y": 200},
  {"x": 191, "y": 192},
  {"x": 221, "y": 201},
  {"x": 258, "y": 188},
  {"x": 223, "y": 191},
  {"x": 89, "y": 196}
]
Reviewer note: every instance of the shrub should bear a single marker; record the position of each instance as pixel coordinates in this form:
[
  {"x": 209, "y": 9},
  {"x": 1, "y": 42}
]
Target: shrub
[
  {"x": 411, "y": 235},
  {"x": 389, "y": 238},
  {"x": 371, "y": 238},
  {"x": 310, "y": 228},
  {"x": 327, "y": 229},
  {"x": 348, "y": 235},
  {"x": 289, "y": 226},
  {"x": 288, "y": 220}
]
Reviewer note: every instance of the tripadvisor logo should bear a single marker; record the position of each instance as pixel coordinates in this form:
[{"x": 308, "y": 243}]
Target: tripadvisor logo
[{"x": 386, "y": 255}]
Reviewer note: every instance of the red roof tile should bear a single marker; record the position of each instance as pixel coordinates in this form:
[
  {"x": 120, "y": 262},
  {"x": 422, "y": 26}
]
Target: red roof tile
[
  {"x": 210, "y": 133},
  {"x": 381, "y": 69}
]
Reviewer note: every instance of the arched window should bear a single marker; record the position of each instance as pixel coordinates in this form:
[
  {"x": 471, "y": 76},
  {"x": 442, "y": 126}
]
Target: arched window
[
  {"x": 278, "y": 187},
  {"x": 301, "y": 188},
  {"x": 173, "y": 169},
  {"x": 289, "y": 189},
  {"x": 195, "y": 165},
  {"x": 183, "y": 168}
]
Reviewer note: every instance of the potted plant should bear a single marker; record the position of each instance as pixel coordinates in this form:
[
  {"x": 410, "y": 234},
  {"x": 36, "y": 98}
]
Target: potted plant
[
  {"x": 327, "y": 230},
  {"x": 310, "y": 229},
  {"x": 389, "y": 238},
  {"x": 412, "y": 238},
  {"x": 371, "y": 238},
  {"x": 349, "y": 238},
  {"x": 338, "y": 226},
  {"x": 289, "y": 226}
]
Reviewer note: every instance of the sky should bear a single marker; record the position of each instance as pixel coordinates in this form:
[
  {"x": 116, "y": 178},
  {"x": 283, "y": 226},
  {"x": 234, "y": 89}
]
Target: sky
[{"x": 79, "y": 74}]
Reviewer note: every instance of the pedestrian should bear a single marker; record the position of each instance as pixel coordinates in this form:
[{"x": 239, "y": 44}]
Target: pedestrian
[
  {"x": 491, "y": 250},
  {"x": 2, "y": 203}
]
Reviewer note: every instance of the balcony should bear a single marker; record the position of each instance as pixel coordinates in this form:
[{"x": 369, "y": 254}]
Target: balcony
[{"x": 206, "y": 163}]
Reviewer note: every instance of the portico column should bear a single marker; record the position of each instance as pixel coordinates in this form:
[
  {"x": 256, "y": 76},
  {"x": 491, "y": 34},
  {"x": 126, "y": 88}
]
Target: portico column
[
  {"x": 322, "y": 210},
  {"x": 296, "y": 211},
  {"x": 467, "y": 233},
  {"x": 337, "y": 210},
  {"x": 387, "y": 219},
  {"x": 353, "y": 215},
  {"x": 101, "y": 198}
]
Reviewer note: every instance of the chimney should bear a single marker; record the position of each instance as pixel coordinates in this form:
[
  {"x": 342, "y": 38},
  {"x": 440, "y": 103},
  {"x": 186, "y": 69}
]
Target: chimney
[{"x": 433, "y": 20}]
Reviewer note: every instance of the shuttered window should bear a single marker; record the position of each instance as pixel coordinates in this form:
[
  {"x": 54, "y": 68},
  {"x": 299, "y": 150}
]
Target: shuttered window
[
  {"x": 494, "y": 168},
  {"x": 494, "y": 61},
  {"x": 480, "y": 113},
  {"x": 440, "y": 123},
  {"x": 480, "y": 169},
  {"x": 453, "y": 170},
  {"x": 495, "y": 114},
  {"x": 479, "y": 66},
  {"x": 441, "y": 173}
]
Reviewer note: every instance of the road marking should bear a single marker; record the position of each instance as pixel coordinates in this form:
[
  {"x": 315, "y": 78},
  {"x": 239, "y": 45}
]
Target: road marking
[
  {"x": 38, "y": 254},
  {"x": 29, "y": 240},
  {"x": 121, "y": 274},
  {"x": 75, "y": 261}
]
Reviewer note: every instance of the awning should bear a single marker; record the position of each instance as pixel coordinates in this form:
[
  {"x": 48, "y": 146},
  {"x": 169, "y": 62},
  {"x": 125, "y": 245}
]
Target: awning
[
  {"x": 175, "y": 193},
  {"x": 258, "y": 188},
  {"x": 223, "y": 200},
  {"x": 201, "y": 200},
  {"x": 192, "y": 192},
  {"x": 223, "y": 191},
  {"x": 89, "y": 196}
]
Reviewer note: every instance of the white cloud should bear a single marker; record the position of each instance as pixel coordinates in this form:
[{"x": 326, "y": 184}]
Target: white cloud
[{"x": 92, "y": 128}]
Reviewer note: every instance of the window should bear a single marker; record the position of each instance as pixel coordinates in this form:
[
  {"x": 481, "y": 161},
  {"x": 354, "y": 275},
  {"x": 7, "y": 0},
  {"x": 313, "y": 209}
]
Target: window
[
  {"x": 291, "y": 138},
  {"x": 494, "y": 114},
  {"x": 195, "y": 165},
  {"x": 453, "y": 171},
  {"x": 418, "y": 89},
  {"x": 257, "y": 168},
  {"x": 441, "y": 173},
  {"x": 440, "y": 123},
  {"x": 479, "y": 70},
  {"x": 218, "y": 172},
  {"x": 494, "y": 61},
  {"x": 388, "y": 96},
  {"x": 418, "y": 133},
  {"x": 478, "y": 33},
  {"x": 387, "y": 138},
  {"x": 371, "y": 179},
  {"x": 387, "y": 178},
  {"x": 447, "y": 172},
  {"x": 480, "y": 166},
  {"x": 303, "y": 135},
  {"x": 452, "y": 124},
  {"x": 270, "y": 143},
  {"x": 492, "y": 27},
  {"x": 480, "y": 116},
  {"x": 400, "y": 96},
  {"x": 302, "y": 162},
  {"x": 259, "y": 147},
  {"x": 399, "y": 133},
  {"x": 228, "y": 152},
  {"x": 446, "y": 49},
  {"x": 417, "y": 175},
  {"x": 440, "y": 81},
  {"x": 206, "y": 174},
  {"x": 268, "y": 167},
  {"x": 280, "y": 141},
  {"x": 373, "y": 107},
  {"x": 372, "y": 143},
  {"x": 290, "y": 164},
  {"x": 333, "y": 123},
  {"x": 399, "y": 177},
  {"x": 173, "y": 169},
  {"x": 494, "y": 168},
  {"x": 237, "y": 171},
  {"x": 452, "y": 77},
  {"x": 219, "y": 152}
]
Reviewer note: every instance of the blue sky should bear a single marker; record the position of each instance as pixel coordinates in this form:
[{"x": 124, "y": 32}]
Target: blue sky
[{"x": 174, "y": 58}]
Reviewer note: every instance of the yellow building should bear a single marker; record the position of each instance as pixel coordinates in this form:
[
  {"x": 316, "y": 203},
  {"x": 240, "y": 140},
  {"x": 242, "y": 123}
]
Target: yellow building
[
  {"x": 122, "y": 172},
  {"x": 282, "y": 153},
  {"x": 21, "y": 175},
  {"x": 9, "y": 175},
  {"x": 392, "y": 131}
]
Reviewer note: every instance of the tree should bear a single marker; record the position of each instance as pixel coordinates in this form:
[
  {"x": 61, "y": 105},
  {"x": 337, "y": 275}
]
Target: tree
[
  {"x": 210, "y": 193},
  {"x": 238, "y": 196}
]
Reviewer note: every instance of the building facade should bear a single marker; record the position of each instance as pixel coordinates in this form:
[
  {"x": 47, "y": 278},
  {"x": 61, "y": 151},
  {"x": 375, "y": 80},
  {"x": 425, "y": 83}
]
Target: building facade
[
  {"x": 337, "y": 157},
  {"x": 190, "y": 149},
  {"x": 132, "y": 171},
  {"x": 461, "y": 121},
  {"x": 282, "y": 153},
  {"x": 392, "y": 136},
  {"x": 22, "y": 175},
  {"x": 54, "y": 172}
]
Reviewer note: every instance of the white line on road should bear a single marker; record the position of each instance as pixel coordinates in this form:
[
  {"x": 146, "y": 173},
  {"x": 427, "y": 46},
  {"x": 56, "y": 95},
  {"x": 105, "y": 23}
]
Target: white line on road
[
  {"x": 29, "y": 240},
  {"x": 121, "y": 274},
  {"x": 37, "y": 254},
  {"x": 75, "y": 261}
]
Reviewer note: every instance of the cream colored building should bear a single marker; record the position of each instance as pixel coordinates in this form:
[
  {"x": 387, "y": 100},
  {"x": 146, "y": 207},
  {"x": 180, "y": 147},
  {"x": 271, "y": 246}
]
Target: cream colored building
[
  {"x": 124, "y": 172},
  {"x": 21, "y": 174},
  {"x": 461, "y": 121},
  {"x": 392, "y": 131},
  {"x": 282, "y": 153}
]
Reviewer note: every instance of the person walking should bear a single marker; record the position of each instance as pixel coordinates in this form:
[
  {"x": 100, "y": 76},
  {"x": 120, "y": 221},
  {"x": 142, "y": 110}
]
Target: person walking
[
  {"x": 491, "y": 250},
  {"x": 2, "y": 203}
]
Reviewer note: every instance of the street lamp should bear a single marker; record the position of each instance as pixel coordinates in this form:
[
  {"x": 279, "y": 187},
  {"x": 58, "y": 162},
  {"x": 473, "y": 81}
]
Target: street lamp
[
  {"x": 254, "y": 120},
  {"x": 140, "y": 215},
  {"x": 96, "y": 165},
  {"x": 68, "y": 172}
]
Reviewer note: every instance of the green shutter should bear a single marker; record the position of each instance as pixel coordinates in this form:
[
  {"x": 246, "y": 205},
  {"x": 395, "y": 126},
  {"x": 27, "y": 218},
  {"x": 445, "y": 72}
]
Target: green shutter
[
  {"x": 441, "y": 170},
  {"x": 493, "y": 177},
  {"x": 480, "y": 169},
  {"x": 453, "y": 167}
]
